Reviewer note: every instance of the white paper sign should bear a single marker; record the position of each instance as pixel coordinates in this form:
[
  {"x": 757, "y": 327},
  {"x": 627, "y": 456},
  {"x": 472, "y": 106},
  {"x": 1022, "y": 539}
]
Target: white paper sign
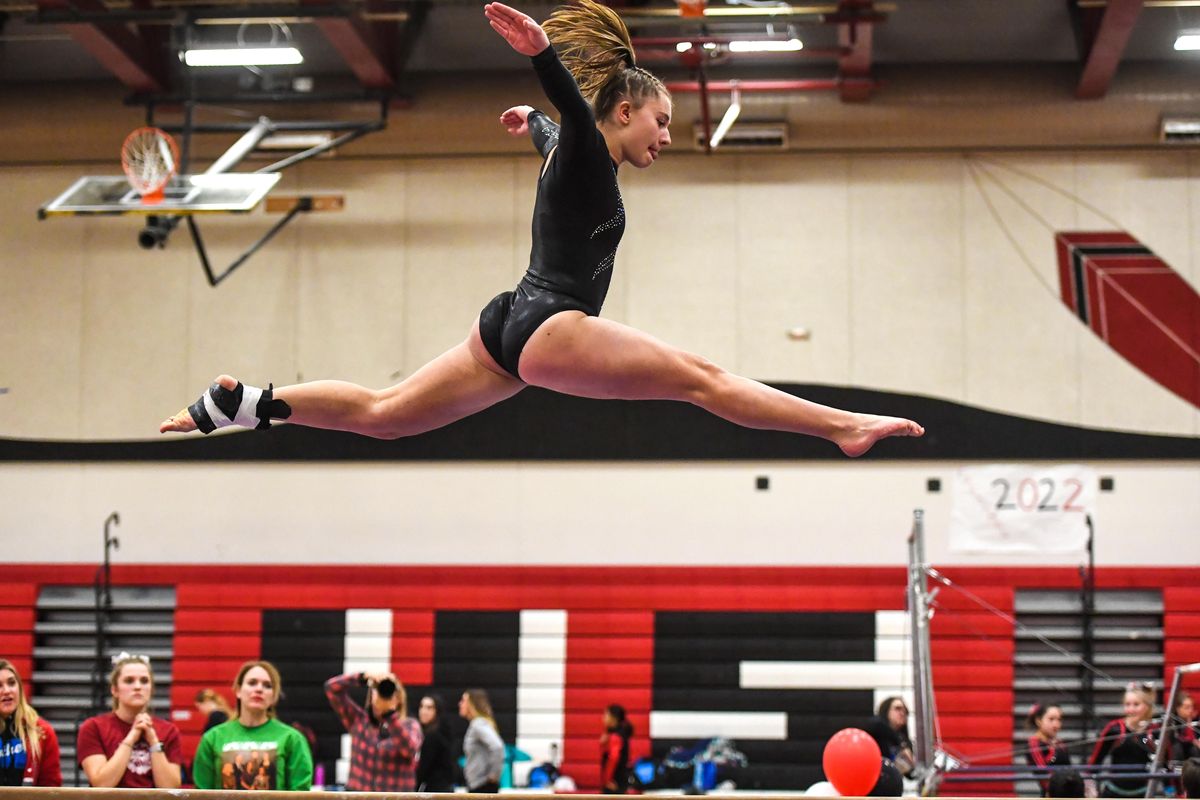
[{"x": 1018, "y": 508}]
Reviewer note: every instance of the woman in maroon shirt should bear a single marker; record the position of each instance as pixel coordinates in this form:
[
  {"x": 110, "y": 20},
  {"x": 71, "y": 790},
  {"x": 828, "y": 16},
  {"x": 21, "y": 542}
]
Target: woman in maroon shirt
[{"x": 129, "y": 748}]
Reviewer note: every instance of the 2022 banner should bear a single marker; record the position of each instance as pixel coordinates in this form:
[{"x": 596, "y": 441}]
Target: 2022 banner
[{"x": 1019, "y": 508}]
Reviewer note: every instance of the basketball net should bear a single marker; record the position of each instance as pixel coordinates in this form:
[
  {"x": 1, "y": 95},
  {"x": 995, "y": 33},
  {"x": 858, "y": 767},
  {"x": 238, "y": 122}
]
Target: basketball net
[{"x": 150, "y": 158}]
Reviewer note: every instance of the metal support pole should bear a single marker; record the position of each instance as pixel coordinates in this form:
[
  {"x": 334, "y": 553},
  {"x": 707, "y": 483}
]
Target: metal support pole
[
  {"x": 1087, "y": 681},
  {"x": 1160, "y": 751},
  {"x": 103, "y": 598},
  {"x": 241, "y": 148},
  {"x": 924, "y": 707}
]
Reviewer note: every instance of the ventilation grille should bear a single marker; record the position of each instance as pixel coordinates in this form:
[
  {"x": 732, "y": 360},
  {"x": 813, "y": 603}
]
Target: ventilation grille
[{"x": 747, "y": 136}]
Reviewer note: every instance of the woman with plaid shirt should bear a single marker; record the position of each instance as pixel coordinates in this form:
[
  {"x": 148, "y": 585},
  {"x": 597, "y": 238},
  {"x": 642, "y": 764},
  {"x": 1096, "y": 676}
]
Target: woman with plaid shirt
[{"x": 384, "y": 741}]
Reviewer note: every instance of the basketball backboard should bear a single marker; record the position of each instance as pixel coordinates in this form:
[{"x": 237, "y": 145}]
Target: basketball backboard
[{"x": 187, "y": 194}]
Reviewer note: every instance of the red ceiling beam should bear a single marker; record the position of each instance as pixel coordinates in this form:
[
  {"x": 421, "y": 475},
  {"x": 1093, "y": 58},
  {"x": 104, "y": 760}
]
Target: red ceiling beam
[
  {"x": 361, "y": 49},
  {"x": 1107, "y": 47},
  {"x": 113, "y": 44},
  {"x": 373, "y": 50},
  {"x": 854, "y": 37},
  {"x": 156, "y": 40}
]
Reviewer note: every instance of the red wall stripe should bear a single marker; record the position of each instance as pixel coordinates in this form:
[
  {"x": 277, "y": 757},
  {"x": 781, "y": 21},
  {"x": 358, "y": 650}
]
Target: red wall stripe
[{"x": 412, "y": 648}]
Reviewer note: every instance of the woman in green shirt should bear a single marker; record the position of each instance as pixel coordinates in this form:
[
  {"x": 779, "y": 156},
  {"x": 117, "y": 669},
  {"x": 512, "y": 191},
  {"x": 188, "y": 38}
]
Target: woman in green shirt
[{"x": 254, "y": 750}]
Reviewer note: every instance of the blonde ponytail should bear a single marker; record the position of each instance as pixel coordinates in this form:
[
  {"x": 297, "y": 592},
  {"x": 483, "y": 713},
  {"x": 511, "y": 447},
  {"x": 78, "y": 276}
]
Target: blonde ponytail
[
  {"x": 592, "y": 42},
  {"x": 594, "y": 45}
]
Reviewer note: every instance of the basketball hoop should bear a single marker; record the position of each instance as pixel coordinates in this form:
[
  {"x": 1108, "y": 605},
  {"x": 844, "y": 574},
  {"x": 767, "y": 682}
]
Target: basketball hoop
[{"x": 150, "y": 158}]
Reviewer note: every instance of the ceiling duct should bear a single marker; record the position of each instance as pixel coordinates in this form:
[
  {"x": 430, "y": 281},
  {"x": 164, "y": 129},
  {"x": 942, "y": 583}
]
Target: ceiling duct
[
  {"x": 749, "y": 135},
  {"x": 1180, "y": 130}
]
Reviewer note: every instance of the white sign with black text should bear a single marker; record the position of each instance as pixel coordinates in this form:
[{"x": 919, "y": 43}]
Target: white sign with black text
[{"x": 1019, "y": 508}]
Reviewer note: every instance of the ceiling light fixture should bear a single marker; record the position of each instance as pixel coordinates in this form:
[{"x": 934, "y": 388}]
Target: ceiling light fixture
[
  {"x": 731, "y": 115},
  {"x": 1188, "y": 41},
  {"x": 766, "y": 46},
  {"x": 242, "y": 57},
  {"x": 683, "y": 47}
]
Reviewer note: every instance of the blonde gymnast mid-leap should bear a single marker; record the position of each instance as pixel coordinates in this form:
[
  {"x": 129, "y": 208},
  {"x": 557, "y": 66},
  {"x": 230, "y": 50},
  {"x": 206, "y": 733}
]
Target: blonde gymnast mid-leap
[{"x": 547, "y": 332}]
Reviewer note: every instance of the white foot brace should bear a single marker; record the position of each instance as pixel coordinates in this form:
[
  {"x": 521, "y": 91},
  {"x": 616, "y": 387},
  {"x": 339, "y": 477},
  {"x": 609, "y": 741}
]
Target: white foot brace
[{"x": 247, "y": 406}]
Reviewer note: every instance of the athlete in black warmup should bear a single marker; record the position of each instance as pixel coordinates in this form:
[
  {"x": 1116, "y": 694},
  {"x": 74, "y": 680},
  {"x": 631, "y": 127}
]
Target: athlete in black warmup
[
  {"x": 547, "y": 331},
  {"x": 1045, "y": 748},
  {"x": 1129, "y": 741}
]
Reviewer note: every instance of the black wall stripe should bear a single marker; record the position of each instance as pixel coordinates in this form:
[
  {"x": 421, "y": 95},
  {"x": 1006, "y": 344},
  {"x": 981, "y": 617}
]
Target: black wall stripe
[
  {"x": 1094, "y": 252},
  {"x": 696, "y": 668},
  {"x": 541, "y": 425},
  {"x": 1081, "y": 295},
  {"x": 308, "y": 648},
  {"x": 1114, "y": 250},
  {"x": 474, "y": 650}
]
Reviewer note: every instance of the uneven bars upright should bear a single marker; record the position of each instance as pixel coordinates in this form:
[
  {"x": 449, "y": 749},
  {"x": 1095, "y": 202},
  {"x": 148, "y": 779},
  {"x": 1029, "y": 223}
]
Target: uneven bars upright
[{"x": 1160, "y": 751}]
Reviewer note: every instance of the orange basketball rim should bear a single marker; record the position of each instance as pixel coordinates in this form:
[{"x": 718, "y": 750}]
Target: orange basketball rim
[{"x": 150, "y": 158}]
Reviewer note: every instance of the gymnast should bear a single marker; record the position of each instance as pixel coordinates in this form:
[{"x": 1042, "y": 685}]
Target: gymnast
[{"x": 547, "y": 332}]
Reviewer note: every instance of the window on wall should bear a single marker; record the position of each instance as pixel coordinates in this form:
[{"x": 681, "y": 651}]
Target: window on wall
[{"x": 1126, "y": 645}]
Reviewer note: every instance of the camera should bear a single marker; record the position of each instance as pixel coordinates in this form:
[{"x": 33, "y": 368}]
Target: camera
[{"x": 386, "y": 688}]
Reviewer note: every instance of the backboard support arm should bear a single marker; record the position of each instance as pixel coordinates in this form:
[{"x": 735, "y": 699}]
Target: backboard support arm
[{"x": 303, "y": 204}]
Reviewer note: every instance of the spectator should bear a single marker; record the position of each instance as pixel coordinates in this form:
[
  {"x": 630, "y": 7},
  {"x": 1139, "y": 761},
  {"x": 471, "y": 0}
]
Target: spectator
[
  {"x": 1183, "y": 744},
  {"x": 1044, "y": 748},
  {"x": 1065, "y": 783},
  {"x": 129, "y": 748},
  {"x": 482, "y": 746},
  {"x": 889, "y": 729},
  {"x": 254, "y": 750},
  {"x": 28, "y": 745},
  {"x": 1128, "y": 740},
  {"x": 1190, "y": 777},
  {"x": 435, "y": 769},
  {"x": 384, "y": 740},
  {"x": 214, "y": 707},
  {"x": 614, "y": 751}
]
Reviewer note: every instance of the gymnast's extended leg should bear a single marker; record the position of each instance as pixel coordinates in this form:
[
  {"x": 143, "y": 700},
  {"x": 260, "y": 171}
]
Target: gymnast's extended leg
[
  {"x": 452, "y": 386},
  {"x": 593, "y": 357}
]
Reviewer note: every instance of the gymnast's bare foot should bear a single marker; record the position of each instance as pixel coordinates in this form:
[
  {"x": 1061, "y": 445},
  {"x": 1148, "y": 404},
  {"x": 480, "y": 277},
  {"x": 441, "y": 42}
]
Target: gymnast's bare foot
[
  {"x": 868, "y": 429},
  {"x": 183, "y": 422}
]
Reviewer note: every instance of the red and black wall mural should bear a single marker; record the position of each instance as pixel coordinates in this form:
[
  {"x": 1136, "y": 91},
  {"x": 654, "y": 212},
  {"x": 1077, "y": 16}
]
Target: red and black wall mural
[
  {"x": 664, "y": 642},
  {"x": 1134, "y": 302}
]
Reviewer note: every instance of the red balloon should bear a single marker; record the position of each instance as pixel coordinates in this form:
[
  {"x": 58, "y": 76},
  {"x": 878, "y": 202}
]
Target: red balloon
[{"x": 852, "y": 762}]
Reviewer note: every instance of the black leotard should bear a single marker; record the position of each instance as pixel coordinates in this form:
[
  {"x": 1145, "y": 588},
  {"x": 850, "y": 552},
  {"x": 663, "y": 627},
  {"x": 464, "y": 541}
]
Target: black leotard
[
  {"x": 578, "y": 220},
  {"x": 1046, "y": 754},
  {"x": 1123, "y": 746}
]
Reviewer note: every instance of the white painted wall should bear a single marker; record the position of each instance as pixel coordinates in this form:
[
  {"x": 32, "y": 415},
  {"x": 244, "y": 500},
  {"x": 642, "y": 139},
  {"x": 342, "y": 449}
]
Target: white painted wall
[
  {"x": 569, "y": 513},
  {"x": 896, "y": 263}
]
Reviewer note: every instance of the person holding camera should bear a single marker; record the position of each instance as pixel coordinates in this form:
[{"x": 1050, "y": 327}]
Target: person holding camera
[{"x": 384, "y": 740}]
